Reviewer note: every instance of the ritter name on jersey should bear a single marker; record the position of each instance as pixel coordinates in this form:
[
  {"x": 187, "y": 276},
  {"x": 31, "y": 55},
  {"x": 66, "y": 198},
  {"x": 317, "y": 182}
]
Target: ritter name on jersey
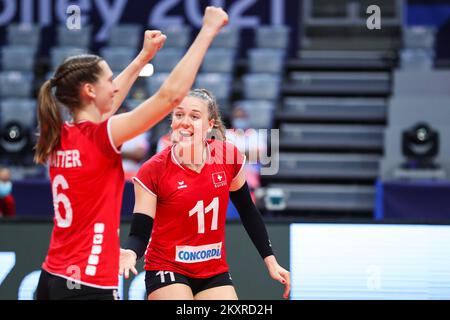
[{"x": 66, "y": 159}]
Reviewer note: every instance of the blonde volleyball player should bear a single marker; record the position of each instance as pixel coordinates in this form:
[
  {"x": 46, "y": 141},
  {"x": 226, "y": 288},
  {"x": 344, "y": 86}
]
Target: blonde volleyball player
[{"x": 181, "y": 201}]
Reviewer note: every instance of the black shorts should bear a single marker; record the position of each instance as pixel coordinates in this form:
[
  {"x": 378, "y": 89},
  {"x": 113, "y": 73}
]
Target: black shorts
[
  {"x": 52, "y": 287},
  {"x": 155, "y": 280}
]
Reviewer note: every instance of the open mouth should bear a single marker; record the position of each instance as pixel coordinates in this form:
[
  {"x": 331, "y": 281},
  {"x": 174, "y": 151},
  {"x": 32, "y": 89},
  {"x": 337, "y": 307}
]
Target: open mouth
[{"x": 185, "y": 133}]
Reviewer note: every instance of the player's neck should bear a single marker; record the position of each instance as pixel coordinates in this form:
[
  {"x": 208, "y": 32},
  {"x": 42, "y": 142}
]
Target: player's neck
[
  {"x": 193, "y": 157},
  {"x": 88, "y": 113}
]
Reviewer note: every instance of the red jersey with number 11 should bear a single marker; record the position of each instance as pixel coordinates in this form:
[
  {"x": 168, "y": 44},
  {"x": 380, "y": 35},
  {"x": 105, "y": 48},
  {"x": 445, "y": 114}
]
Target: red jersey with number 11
[
  {"x": 87, "y": 185},
  {"x": 188, "y": 234}
]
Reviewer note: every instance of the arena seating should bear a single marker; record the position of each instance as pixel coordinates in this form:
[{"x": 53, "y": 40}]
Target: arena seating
[{"x": 335, "y": 101}]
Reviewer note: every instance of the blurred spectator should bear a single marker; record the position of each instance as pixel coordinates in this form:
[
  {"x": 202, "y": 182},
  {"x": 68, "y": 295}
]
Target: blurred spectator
[
  {"x": 134, "y": 152},
  {"x": 7, "y": 203},
  {"x": 250, "y": 143}
]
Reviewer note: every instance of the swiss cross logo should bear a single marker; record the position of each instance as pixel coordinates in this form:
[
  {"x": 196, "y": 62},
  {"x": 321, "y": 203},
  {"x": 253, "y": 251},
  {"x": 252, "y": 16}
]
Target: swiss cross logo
[{"x": 219, "y": 179}]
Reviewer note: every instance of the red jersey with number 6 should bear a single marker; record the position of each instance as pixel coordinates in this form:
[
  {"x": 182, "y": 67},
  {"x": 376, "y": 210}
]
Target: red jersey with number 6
[
  {"x": 188, "y": 234},
  {"x": 87, "y": 186}
]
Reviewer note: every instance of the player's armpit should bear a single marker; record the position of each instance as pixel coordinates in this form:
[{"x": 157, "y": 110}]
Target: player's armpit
[{"x": 238, "y": 181}]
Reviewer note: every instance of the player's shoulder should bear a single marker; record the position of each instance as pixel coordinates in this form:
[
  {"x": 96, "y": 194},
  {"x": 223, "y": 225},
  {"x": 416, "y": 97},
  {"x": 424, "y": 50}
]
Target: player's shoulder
[
  {"x": 159, "y": 160},
  {"x": 87, "y": 125},
  {"x": 86, "y": 128}
]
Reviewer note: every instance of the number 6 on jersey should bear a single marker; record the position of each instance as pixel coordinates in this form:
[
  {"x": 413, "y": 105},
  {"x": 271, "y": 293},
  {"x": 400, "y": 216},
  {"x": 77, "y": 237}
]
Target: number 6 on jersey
[
  {"x": 61, "y": 197},
  {"x": 201, "y": 211}
]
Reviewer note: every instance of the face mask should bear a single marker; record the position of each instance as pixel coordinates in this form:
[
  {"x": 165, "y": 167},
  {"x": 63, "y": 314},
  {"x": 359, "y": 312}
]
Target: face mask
[
  {"x": 5, "y": 188},
  {"x": 240, "y": 123}
]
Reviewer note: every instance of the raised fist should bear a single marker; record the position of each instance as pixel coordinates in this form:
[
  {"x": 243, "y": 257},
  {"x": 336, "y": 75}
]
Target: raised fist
[
  {"x": 153, "y": 41},
  {"x": 215, "y": 19}
]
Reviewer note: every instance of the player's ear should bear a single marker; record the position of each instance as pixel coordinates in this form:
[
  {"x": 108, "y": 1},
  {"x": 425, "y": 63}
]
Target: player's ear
[
  {"x": 87, "y": 91},
  {"x": 211, "y": 124}
]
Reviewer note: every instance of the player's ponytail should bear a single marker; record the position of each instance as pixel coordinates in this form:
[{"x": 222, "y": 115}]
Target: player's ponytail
[
  {"x": 66, "y": 84},
  {"x": 50, "y": 121},
  {"x": 218, "y": 131}
]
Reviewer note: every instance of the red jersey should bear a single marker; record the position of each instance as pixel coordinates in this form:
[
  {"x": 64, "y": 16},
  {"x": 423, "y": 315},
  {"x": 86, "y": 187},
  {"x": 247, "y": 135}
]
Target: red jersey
[
  {"x": 87, "y": 185},
  {"x": 188, "y": 234}
]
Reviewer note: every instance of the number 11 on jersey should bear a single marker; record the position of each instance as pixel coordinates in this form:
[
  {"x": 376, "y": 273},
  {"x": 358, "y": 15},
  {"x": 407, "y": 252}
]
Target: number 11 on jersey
[{"x": 200, "y": 210}]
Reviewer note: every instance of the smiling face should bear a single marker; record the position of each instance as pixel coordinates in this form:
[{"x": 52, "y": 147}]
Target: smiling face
[{"x": 190, "y": 122}]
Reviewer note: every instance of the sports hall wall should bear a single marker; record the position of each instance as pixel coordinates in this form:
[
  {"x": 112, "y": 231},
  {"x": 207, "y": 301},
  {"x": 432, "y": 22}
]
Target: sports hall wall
[
  {"x": 23, "y": 246},
  {"x": 328, "y": 261}
]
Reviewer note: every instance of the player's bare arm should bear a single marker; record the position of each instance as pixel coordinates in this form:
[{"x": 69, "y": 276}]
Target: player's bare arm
[
  {"x": 174, "y": 89},
  {"x": 153, "y": 41},
  {"x": 145, "y": 204}
]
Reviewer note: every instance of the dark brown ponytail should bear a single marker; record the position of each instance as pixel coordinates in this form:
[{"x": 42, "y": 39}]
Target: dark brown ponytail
[{"x": 50, "y": 122}]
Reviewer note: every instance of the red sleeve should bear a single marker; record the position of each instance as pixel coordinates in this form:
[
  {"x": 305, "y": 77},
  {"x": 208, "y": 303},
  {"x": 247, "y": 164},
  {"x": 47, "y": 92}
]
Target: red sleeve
[
  {"x": 234, "y": 158},
  {"x": 147, "y": 176}
]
